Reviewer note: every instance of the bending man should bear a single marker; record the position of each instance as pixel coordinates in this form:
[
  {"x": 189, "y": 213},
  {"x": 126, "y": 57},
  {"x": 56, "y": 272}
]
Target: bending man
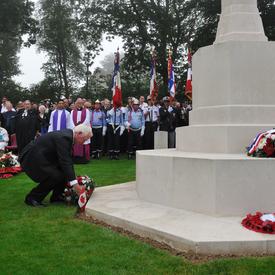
[{"x": 48, "y": 161}]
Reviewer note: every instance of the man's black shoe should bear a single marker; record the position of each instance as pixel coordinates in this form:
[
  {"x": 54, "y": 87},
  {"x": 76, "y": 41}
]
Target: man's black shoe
[{"x": 34, "y": 203}]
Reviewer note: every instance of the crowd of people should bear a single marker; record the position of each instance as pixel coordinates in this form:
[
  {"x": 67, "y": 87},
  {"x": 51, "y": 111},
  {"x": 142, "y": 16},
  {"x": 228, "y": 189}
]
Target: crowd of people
[{"x": 115, "y": 129}]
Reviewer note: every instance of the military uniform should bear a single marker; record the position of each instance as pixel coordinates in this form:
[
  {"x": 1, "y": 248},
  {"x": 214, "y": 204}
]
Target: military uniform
[
  {"x": 98, "y": 124},
  {"x": 115, "y": 128},
  {"x": 135, "y": 123},
  {"x": 151, "y": 126}
]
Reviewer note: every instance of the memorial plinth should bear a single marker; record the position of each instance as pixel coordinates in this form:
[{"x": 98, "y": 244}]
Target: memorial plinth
[
  {"x": 233, "y": 100},
  {"x": 194, "y": 197}
]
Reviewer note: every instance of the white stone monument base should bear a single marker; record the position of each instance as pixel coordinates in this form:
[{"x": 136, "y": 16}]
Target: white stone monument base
[
  {"x": 161, "y": 140},
  {"x": 119, "y": 205},
  {"x": 212, "y": 184}
]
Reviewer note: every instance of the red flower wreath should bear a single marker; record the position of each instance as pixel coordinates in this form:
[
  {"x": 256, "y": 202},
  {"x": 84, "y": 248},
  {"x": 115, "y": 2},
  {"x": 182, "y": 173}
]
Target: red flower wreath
[{"x": 258, "y": 224}]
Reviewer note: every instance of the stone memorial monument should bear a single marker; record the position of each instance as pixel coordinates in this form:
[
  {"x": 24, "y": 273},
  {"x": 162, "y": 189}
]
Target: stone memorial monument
[
  {"x": 194, "y": 197},
  {"x": 233, "y": 99}
]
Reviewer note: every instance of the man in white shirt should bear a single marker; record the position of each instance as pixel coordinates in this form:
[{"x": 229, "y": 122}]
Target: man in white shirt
[{"x": 151, "y": 123}]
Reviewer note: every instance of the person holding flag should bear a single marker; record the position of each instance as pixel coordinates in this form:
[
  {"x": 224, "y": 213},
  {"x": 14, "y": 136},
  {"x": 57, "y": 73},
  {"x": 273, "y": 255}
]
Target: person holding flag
[
  {"x": 151, "y": 112},
  {"x": 188, "y": 87},
  {"x": 115, "y": 116}
]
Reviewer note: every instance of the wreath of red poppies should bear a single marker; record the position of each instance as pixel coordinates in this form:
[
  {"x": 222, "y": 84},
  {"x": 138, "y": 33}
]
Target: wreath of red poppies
[
  {"x": 255, "y": 223},
  {"x": 8, "y": 172}
]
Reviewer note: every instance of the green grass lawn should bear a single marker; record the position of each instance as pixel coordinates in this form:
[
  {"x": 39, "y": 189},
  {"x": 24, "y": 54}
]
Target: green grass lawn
[{"x": 52, "y": 241}]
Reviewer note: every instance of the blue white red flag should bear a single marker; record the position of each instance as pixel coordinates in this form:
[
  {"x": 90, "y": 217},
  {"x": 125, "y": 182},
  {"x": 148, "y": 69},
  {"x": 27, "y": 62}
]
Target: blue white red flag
[
  {"x": 188, "y": 87},
  {"x": 116, "y": 82},
  {"x": 153, "y": 78},
  {"x": 171, "y": 77}
]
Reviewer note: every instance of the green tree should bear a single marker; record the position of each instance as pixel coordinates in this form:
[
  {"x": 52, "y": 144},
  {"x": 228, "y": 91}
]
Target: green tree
[
  {"x": 58, "y": 38},
  {"x": 15, "y": 21},
  {"x": 167, "y": 24},
  {"x": 48, "y": 88},
  {"x": 71, "y": 38}
]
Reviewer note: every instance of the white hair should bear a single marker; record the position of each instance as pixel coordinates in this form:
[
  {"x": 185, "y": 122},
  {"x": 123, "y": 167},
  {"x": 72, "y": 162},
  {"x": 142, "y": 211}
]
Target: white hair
[
  {"x": 42, "y": 108},
  {"x": 84, "y": 129}
]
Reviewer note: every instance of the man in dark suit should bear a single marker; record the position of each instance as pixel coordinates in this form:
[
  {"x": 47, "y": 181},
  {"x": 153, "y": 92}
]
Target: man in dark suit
[{"x": 48, "y": 161}]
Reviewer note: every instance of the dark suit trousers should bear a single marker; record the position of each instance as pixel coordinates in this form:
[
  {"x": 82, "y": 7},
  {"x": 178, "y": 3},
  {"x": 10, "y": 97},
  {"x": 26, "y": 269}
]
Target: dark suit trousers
[
  {"x": 55, "y": 182},
  {"x": 113, "y": 139},
  {"x": 150, "y": 129},
  {"x": 134, "y": 141},
  {"x": 96, "y": 141}
]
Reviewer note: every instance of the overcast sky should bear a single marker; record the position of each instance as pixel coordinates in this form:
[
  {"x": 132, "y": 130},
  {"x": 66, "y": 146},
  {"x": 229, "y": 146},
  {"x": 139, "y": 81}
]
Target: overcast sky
[{"x": 31, "y": 61}]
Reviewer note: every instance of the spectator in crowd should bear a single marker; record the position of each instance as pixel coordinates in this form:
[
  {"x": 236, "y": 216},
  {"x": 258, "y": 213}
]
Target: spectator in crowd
[
  {"x": 26, "y": 126},
  {"x": 151, "y": 114},
  {"x": 88, "y": 105},
  {"x": 66, "y": 105},
  {"x": 8, "y": 118},
  {"x": 168, "y": 121},
  {"x": 81, "y": 115},
  {"x": 19, "y": 106},
  {"x": 142, "y": 102},
  {"x": 3, "y": 105},
  {"x": 99, "y": 127},
  {"x": 135, "y": 124},
  {"x": 60, "y": 118},
  {"x": 4, "y": 139},
  {"x": 115, "y": 129},
  {"x": 43, "y": 119}
]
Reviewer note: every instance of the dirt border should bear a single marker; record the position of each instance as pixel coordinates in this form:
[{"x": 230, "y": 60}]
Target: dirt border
[{"x": 188, "y": 255}]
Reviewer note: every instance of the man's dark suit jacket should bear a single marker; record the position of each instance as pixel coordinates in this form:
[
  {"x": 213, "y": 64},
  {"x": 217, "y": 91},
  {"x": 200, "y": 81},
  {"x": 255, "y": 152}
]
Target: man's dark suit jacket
[{"x": 40, "y": 158}]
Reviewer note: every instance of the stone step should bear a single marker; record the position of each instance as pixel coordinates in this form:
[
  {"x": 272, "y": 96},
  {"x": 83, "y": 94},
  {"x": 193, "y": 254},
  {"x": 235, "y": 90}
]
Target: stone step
[{"x": 119, "y": 205}]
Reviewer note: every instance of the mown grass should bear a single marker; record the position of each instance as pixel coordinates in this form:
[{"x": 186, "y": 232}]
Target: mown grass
[{"x": 52, "y": 241}]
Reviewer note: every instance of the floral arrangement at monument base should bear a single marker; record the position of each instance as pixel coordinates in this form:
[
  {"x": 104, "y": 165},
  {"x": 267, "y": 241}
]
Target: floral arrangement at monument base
[
  {"x": 9, "y": 165},
  {"x": 263, "y": 146},
  {"x": 72, "y": 197},
  {"x": 260, "y": 222}
]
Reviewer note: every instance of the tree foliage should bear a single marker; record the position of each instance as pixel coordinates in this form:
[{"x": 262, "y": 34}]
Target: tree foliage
[
  {"x": 15, "y": 21},
  {"x": 166, "y": 24},
  {"x": 71, "y": 39}
]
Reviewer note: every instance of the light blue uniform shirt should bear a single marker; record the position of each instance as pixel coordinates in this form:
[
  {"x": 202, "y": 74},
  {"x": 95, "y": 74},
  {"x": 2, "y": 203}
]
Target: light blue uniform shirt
[
  {"x": 115, "y": 117},
  {"x": 98, "y": 119},
  {"x": 136, "y": 119}
]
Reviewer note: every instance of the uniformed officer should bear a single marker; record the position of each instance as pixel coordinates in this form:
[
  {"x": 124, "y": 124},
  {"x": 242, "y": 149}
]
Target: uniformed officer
[
  {"x": 99, "y": 127},
  {"x": 135, "y": 124},
  {"x": 167, "y": 121},
  {"x": 151, "y": 114},
  {"x": 115, "y": 124}
]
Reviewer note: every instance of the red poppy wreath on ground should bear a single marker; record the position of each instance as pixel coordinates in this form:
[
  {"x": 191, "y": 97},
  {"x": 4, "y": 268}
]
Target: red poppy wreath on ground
[{"x": 262, "y": 223}]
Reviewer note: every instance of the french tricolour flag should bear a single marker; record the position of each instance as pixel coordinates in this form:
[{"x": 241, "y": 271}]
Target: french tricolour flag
[
  {"x": 188, "y": 87},
  {"x": 171, "y": 77},
  {"x": 153, "y": 79},
  {"x": 116, "y": 82}
]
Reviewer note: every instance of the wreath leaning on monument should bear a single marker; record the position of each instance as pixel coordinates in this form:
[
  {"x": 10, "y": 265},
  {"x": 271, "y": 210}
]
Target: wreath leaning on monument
[
  {"x": 72, "y": 198},
  {"x": 263, "y": 145}
]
